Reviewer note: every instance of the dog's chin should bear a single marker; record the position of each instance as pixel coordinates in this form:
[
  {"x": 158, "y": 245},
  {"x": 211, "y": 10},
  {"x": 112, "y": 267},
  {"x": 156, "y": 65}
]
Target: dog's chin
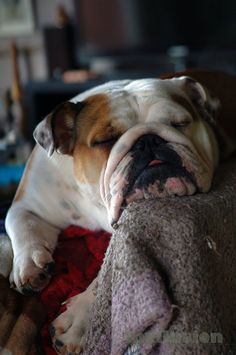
[
  {"x": 158, "y": 180},
  {"x": 161, "y": 181},
  {"x": 173, "y": 186}
]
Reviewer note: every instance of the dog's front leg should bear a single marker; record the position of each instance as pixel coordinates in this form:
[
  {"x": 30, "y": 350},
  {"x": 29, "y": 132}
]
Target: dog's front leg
[{"x": 33, "y": 242}]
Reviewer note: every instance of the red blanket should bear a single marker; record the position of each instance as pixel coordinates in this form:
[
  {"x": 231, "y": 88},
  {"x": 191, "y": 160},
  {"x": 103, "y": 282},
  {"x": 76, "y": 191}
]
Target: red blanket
[{"x": 78, "y": 258}]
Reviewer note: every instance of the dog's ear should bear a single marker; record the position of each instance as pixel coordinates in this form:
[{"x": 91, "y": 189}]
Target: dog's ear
[
  {"x": 205, "y": 102},
  {"x": 58, "y": 130}
]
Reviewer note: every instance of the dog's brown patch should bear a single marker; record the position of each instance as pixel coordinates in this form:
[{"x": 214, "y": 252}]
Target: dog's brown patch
[
  {"x": 95, "y": 124},
  {"x": 88, "y": 163}
]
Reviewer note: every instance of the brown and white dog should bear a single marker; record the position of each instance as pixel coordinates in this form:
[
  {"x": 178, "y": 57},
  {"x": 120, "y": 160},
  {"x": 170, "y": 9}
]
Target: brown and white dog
[{"x": 114, "y": 144}]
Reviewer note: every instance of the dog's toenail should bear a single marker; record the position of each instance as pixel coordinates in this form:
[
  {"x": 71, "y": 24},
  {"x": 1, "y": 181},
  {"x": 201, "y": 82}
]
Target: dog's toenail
[
  {"x": 59, "y": 343},
  {"x": 42, "y": 276},
  {"x": 28, "y": 291},
  {"x": 51, "y": 330},
  {"x": 50, "y": 267}
]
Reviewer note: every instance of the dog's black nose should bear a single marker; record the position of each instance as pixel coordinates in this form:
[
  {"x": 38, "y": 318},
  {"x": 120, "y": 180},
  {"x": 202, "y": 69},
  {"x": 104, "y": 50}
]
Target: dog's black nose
[{"x": 147, "y": 142}]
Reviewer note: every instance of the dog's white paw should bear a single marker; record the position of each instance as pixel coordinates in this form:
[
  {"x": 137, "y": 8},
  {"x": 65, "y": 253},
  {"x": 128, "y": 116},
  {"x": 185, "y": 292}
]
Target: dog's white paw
[
  {"x": 32, "y": 269},
  {"x": 68, "y": 330}
]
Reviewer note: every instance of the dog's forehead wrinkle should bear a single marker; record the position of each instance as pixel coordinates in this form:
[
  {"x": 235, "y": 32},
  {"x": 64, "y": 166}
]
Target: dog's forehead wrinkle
[
  {"x": 125, "y": 88},
  {"x": 130, "y": 101},
  {"x": 165, "y": 111},
  {"x": 131, "y": 109},
  {"x": 108, "y": 88}
]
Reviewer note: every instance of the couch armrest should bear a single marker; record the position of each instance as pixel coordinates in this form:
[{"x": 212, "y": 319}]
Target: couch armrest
[{"x": 191, "y": 242}]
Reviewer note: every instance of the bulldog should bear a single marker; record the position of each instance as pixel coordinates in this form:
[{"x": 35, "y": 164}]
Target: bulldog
[{"x": 107, "y": 147}]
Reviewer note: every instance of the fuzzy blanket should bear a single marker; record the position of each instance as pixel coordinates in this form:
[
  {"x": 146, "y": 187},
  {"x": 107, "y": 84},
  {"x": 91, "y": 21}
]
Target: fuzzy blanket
[
  {"x": 168, "y": 285},
  {"x": 24, "y": 320}
]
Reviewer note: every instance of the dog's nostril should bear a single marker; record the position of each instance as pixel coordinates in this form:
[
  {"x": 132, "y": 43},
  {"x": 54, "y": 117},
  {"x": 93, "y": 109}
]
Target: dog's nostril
[
  {"x": 140, "y": 145},
  {"x": 147, "y": 141}
]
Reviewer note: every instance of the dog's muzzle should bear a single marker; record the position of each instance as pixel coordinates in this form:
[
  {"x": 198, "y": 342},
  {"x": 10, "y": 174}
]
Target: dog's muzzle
[
  {"x": 150, "y": 169},
  {"x": 152, "y": 164}
]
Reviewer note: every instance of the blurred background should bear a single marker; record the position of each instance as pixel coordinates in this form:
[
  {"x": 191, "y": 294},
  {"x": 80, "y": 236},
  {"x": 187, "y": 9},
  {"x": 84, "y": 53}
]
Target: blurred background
[{"x": 52, "y": 50}]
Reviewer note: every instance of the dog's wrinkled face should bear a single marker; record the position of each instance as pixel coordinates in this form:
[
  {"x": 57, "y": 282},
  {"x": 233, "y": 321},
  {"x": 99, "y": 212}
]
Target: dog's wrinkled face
[{"x": 137, "y": 139}]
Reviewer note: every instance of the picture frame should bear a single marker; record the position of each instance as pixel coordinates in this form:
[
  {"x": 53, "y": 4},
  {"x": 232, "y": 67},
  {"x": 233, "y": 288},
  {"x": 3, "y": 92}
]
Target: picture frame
[{"x": 16, "y": 17}]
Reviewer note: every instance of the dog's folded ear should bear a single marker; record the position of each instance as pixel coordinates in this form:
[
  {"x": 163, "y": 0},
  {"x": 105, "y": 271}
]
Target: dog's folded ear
[
  {"x": 58, "y": 130},
  {"x": 204, "y": 101}
]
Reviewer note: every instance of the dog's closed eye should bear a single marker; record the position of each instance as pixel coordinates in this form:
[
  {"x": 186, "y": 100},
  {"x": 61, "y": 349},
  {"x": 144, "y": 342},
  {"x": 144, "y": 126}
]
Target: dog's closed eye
[
  {"x": 180, "y": 125},
  {"x": 104, "y": 142}
]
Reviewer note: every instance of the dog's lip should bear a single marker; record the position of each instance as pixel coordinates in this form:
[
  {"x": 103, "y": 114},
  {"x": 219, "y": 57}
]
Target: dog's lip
[
  {"x": 149, "y": 165},
  {"x": 144, "y": 193},
  {"x": 154, "y": 164}
]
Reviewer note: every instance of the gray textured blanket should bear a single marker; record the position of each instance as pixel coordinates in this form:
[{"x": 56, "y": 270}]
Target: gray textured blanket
[{"x": 168, "y": 285}]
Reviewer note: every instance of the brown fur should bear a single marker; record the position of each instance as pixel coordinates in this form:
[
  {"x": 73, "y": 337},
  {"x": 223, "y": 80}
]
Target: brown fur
[{"x": 95, "y": 124}]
